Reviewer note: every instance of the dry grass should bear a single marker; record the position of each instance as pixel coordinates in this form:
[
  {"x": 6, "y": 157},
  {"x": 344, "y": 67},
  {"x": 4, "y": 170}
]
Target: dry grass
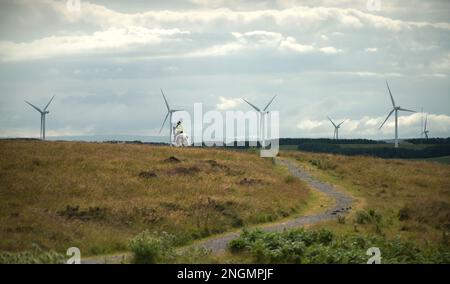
[
  {"x": 413, "y": 197},
  {"x": 96, "y": 196}
]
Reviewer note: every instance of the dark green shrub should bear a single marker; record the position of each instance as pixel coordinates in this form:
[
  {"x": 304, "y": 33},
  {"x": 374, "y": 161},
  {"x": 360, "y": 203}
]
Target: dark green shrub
[
  {"x": 34, "y": 256},
  {"x": 151, "y": 247},
  {"x": 322, "y": 246},
  {"x": 369, "y": 217}
]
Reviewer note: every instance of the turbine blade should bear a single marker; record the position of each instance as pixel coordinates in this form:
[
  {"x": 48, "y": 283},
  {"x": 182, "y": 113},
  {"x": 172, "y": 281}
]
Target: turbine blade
[
  {"x": 165, "y": 100},
  {"x": 167, "y": 115},
  {"x": 341, "y": 123},
  {"x": 389, "y": 115},
  {"x": 404, "y": 109},
  {"x": 270, "y": 102},
  {"x": 35, "y": 107},
  {"x": 331, "y": 121},
  {"x": 48, "y": 103},
  {"x": 392, "y": 98},
  {"x": 425, "y": 128},
  {"x": 257, "y": 109}
]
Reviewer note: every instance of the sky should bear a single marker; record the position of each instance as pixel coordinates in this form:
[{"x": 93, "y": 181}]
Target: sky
[{"x": 106, "y": 62}]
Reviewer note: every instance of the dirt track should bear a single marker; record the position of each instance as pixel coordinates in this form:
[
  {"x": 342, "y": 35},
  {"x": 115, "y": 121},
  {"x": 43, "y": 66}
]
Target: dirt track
[{"x": 342, "y": 205}]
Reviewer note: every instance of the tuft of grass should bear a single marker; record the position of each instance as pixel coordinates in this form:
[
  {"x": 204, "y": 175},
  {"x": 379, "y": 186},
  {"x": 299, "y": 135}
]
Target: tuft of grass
[
  {"x": 34, "y": 256},
  {"x": 367, "y": 217},
  {"x": 150, "y": 247}
]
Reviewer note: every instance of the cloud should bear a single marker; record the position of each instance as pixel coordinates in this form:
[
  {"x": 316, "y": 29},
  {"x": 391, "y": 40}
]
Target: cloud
[
  {"x": 228, "y": 103},
  {"x": 291, "y": 44},
  {"x": 153, "y": 42},
  {"x": 261, "y": 41},
  {"x": 204, "y": 18},
  {"x": 330, "y": 50},
  {"x": 309, "y": 124},
  {"x": 34, "y": 132},
  {"x": 114, "y": 40},
  {"x": 371, "y": 49}
]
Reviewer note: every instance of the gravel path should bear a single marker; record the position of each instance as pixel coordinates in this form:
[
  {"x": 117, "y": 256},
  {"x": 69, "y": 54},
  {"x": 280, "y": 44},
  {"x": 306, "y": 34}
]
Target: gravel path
[{"x": 343, "y": 203}]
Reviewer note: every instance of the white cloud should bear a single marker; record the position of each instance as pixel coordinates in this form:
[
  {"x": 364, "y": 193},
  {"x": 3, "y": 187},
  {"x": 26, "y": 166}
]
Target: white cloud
[
  {"x": 228, "y": 103},
  {"x": 34, "y": 132},
  {"x": 291, "y": 44},
  {"x": 113, "y": 40},
  {"x": 309, "y": 124},
  {"x": 371, "y": 49},
  {"x": 330, "y": 50},
  {"x": 261, "y": 40},
  {"x": 293, "y": 16}
]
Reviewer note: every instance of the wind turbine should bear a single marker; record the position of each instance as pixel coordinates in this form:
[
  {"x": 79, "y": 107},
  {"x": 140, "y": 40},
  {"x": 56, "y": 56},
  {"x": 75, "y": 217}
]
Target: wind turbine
[
  {"x": 169, "y": 114},
  {"x": 43, "y": 113},
  {"x": 262, "y": 118},
  {"x": 425, "y": 130},
  {"x": 421, "y": 123},
  {"x": 394, "y": 109},
  {"x": 336, "y": 128}
]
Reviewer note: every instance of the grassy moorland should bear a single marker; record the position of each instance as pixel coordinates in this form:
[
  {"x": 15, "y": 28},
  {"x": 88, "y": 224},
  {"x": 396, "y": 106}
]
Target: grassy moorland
[
  {"x": 98, "y": 196},
  {"x": 395, "y": 198},
  {"x": 401, "y": 207}
]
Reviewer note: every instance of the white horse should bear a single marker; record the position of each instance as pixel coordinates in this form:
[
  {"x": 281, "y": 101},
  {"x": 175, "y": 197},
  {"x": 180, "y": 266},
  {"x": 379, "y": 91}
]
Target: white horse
[{"x": 181, "y": 140}]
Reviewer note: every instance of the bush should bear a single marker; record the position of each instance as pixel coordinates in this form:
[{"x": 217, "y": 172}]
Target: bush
[
  {"x": 323, "y": 164},
  {"x": 341, "y": 219},
  {"x": 369, "y": 217},
  {"x": 323, "y": 247},
  {"x": 151, "y": 247},
  {"x": 34, "y": 256}
]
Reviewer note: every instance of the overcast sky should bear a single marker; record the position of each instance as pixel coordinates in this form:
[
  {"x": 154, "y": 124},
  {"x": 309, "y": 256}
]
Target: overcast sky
[{"x": 106, "y": 62}]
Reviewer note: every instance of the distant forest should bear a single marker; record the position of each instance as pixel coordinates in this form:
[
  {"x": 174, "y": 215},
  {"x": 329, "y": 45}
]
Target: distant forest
[
  {"x": 298, "y": 141},
  {"x": 437, "y": 147}
]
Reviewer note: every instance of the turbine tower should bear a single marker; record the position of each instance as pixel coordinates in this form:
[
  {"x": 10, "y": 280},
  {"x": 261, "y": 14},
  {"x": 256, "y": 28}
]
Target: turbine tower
[
  {"x": 262, "y": 117},
  {"x": 169, "y": 114},
  {"x": 43, "y": 114},
  {"x": 421, "y": 122},
  {"x": 425, "y": 130},
  {"x": 394, "y": 109},
  {"x": 336, "y": 128}
]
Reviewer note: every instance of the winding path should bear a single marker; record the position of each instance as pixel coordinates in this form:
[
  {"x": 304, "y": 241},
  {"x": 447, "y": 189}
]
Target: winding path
[
  {"x": 216, "y": 244},
  {"x": 343, "y": 204}
]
